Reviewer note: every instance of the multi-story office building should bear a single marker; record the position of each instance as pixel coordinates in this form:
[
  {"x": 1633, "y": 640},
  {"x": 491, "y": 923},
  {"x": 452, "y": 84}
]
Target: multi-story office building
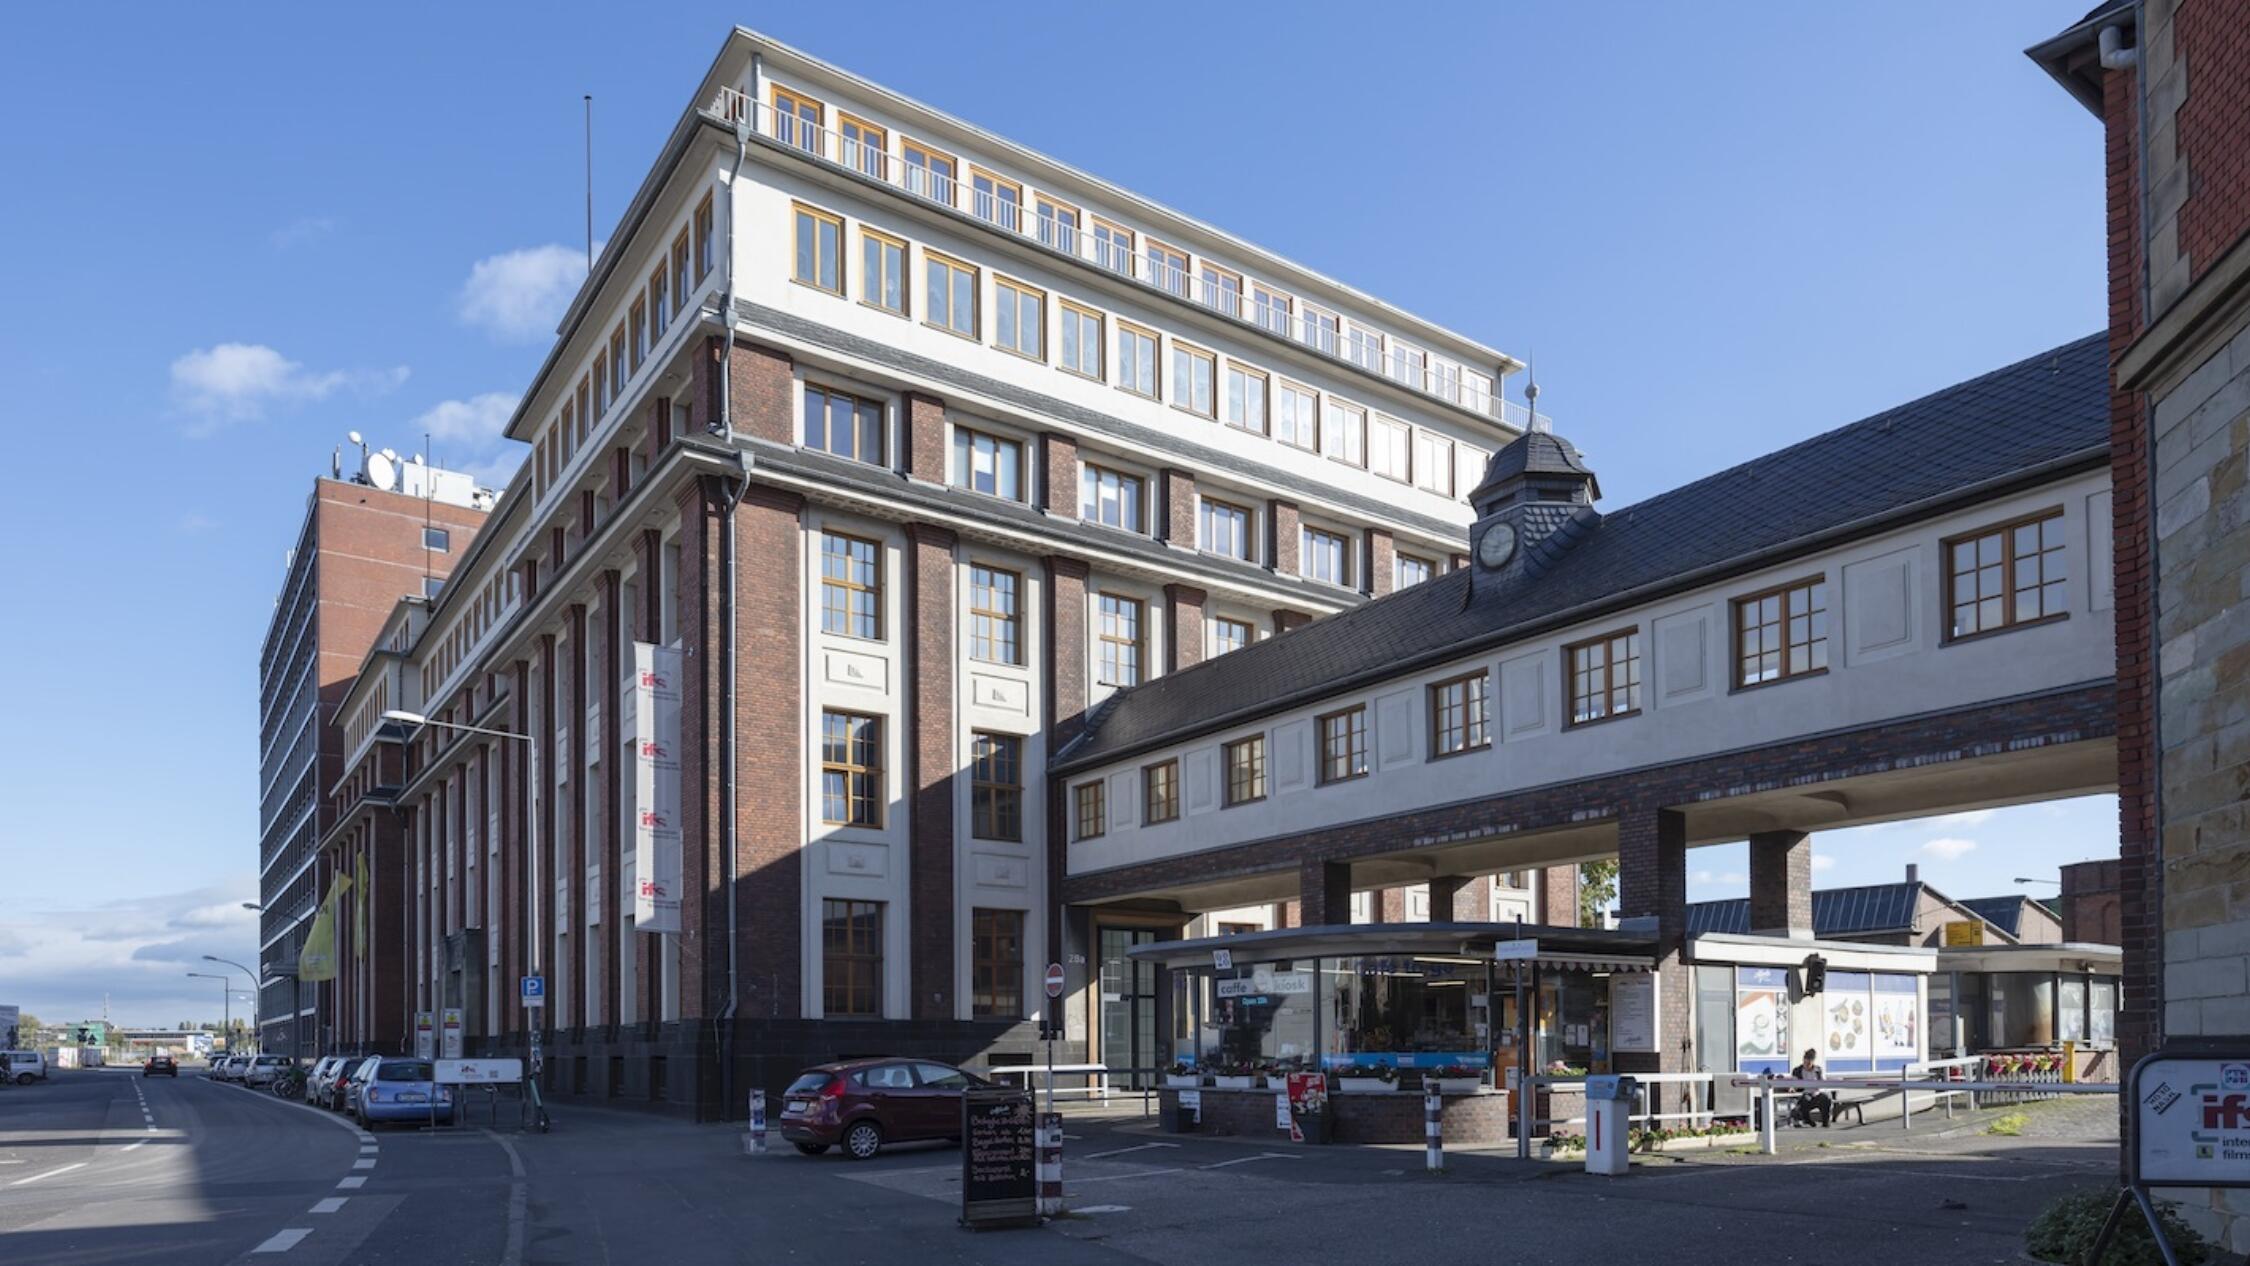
[
  {"x": 392, "y": 529},
  {"x": 915, "y": 447}
]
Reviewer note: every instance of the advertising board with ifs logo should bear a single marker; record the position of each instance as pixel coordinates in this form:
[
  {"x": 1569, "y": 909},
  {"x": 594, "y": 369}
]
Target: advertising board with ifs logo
[{"x": 2192, "y": 1120}]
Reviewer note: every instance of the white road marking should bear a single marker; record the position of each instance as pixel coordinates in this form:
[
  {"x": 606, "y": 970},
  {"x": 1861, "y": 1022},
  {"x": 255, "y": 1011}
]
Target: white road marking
[
  {"x": 518, "y": 1202},
  {"x": 1139, "y": 1173},
  {"x": 352, "y": 1184},
  {"x": 1105, "y": 1208},
  {"x": 49, "y": 1174},
  {"x": 131, "y": 1146},
  {"x": 1244, "y": 1160},
  {"x": 364, "y": 1162},
  {"x": 330, "y": 1205},
  {"x": 283, "y": 1241},
  {"x": 1137, "y": 1147},
  {"x": 368, "y": 1149}
]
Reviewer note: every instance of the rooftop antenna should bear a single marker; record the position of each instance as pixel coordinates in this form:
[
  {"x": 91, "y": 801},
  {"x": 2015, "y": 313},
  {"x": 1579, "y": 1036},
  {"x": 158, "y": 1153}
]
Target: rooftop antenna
[{"x": 589, "y": 184}]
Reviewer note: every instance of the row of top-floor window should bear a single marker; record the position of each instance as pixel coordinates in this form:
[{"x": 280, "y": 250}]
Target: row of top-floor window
[
  {"x": 2004, "y": 576},
  {"x": 654, "y": 306},
  {"x": 493, "y": 600},
  {"x": 983, "y": 459},
  {"x": 1080, "y": 338},
  {"x": 803, "y": 122}
]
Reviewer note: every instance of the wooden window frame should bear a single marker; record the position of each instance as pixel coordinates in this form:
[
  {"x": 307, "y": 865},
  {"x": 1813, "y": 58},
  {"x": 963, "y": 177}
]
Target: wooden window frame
[
  {"x": 986, "y": 820},
  {"x": 873, "y": 773},
  {"x": 1089, "y": 801},
  {"x": 963, "y": 475},
  {"x": 1450, "y": 463},
  {"x": 907, "y": 145},
  {"x": 1183, "y": 391},
  {"x": 868, "y": 277},
  {"x": 819, "y": 120},
  {"x": 2006, "y": 530},
  {"x": 1375, "y": 420},
  {"x": 976, "y": 293},
  {"x": 1308, "y": 429},
  {"x": 1137, "y": 643},
  {"x": 1042, "y": 202},
  {"x": 683, "y": 285},
  {"x": 1205, "y": 271},
  {"x": 1249, "y": 630},
  {"x": 844, "y": 118},
  {"x": 1343, "y": 408},
  {"x": 1155, "y": 361},
  {"x": 1264, "y": 418},
  {"x": 1011, "y": 620},
  {"x": 1186, "y": 267},
  {"x": 1007, "y": 289},
  {"x": 1149, "y": 815},
  {"x": 1205, "y": 505},
  {"x": 1437, "y": 689},
  {"x": 990, "y": 973},
  {"x": 1355, "y": 737},
  {"x": 855, "y": 954},
  {"x": 1139, "y": 527},
  {"x": 636, "y": 320},
  {"x": 849, "y": 586},
  {"x": 1399, "y": 561},
  {"x": 998, "y": 182},
  {"x": 1781, "y": 591},
  {"x": 1311, "y": 316},
  {"x": 1260, "y": 771},
  {"x": 706, "y": 241},
  {"x": 1101, "y": 341},
  {"x": 659, "y": 301},
  {"x": 1609, "y": 677},
  {"x": 882, "y": 427},
  {"x": 1131, "y": 249},
  {"x": 1287, "y": 308},
  {"x": 1305, "y": 533}
]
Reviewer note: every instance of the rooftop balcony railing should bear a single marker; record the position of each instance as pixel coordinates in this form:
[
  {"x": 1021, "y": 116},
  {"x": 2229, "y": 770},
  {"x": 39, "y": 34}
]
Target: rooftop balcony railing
[{"x": 936, "y": 178}]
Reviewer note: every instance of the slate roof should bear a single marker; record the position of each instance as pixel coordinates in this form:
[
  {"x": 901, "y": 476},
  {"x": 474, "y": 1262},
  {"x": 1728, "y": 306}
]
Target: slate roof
[
  {"x": 2005, "y": 913},
  {"x": 2034, "y": 419},
  {"x": 1535, "y": 453},
  {"x": 1835, "y": 911}
]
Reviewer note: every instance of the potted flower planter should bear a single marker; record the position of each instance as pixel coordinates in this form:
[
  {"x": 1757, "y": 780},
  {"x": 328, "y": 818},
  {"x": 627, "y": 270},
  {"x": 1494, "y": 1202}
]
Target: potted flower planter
[
  {"x": 1365, "y": 1085},
  {"x": 1228, "y": 1081},
  {"x": 1456, "y": 1085},
  {"x": 1183, "y": 1081}
]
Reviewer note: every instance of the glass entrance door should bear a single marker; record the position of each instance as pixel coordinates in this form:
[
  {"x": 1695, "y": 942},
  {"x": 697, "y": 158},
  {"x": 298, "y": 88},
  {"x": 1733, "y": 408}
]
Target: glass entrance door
[{"x": 1128, "y": 1007}]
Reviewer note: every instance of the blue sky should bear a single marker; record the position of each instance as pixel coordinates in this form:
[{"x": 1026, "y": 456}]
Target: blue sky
[{"x": 239, "y": 231}]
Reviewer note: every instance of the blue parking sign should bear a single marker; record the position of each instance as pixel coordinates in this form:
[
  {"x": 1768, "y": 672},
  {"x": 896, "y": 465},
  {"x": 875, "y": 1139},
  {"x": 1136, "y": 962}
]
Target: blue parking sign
[{"x": 535, "y": 991}]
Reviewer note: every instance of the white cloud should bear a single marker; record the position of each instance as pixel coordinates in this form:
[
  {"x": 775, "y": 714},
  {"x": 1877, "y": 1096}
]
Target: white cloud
[
  {"x": 135, "y": 954},
  {"x": 303, "y": 230},
  {"x": 1973, "y": 817},
  {"x": 1948, "y": 848},
  {"x": 233, "y": 382},
  {"x": 520, "y": 295},
  {"x": 476, "y": 421},
  {"x": 1701, "y": 877},
  {"x": 1821, "y": 862}
]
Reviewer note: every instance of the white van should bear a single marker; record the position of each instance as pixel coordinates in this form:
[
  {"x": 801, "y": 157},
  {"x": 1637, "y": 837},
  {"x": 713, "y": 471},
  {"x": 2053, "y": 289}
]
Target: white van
[{"x": 23, "y": 1067}]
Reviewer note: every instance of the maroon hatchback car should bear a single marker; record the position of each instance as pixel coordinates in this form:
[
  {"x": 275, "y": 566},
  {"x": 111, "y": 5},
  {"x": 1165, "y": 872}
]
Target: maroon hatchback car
[{"x": 865, "y": 1103}]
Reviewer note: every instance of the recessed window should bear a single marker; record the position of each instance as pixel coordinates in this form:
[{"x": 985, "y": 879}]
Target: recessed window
[
  {"x": 438, "y": 539},
  {"x": 432, "y": 585},
  {"x": 682, "y": 288},
  {"x": 1459, "y": 715},
  {"x": 1321, "y": 329},
  {"x": 1113, "y": 246},
  {"x": 995, "y": 622},
  {"x": 2006, "y": 576},
  {"x": 1325, "y": 556},
  {"x": 1058, "y": 226},
  {"x": 1363, "y": 347},
  {"x": 1246, "y": 399},
  {"x": 1167, "y": 268},
  {"x": 1604, "y": 676},
  {"x": 1343, "y": 745},
  {"x": 1136, "y": 360},
  {"x": 1245, "y": 760},
  {"x": 949, "y": 294},
  {"x": 1781, "y": 633},
  {"x": 865, "y": 147},
  {"x": 1194, "y": 380},
  {"x": 636, "y": 320},
  {"x": 1296, "y": 415},
  {"x": 1269, "y": 308},
  {"x": 882, "y": 271},
  {"x": 1119, "y": 631},
  {"x": 987, "y": 464},
  {"x": 996, "y": 787},
  {"x": 1412, "y": 571},
  {"x": 996, "y": 964},
  {"x": 851, "y": 586},
  {"x": 1093, "y": 811},
  {"x": 1444, "y": 380},
  {"x": 1343, "y": 432},
  {"x": 618, "y": 372},
  {"x": 1222, "y": 289},
  {"x": 1408, "y": 363},
  {"x": 703, "y": 240},
  {"x": 851, "y": 769},
  {"x": 844, "y": 425},
  {"x": 1228, "y": 634},
  {"x": 1160, "y": 792},
  {"x": 1019, "y": 319},
  {"x": 820, "y": 247},
  {"x": 994, "y": 199},
  {"x": 1390, "y": 448},
  {"x": 1433, "y": 463},
  {"x": 851, "y": 957},
  {"x": 1225, "y": 529},
  {"x": 1081, "y": 340},
  {"x": 1110, "y": 498},
  {"x": 796, "y": 120},
  {"x": 659, "y": 299},
  {"x": 929, "y": 173}
]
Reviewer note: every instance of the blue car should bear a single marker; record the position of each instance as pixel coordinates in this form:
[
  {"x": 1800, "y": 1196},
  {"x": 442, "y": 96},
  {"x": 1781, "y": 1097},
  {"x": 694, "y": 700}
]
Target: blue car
[{"x": 390, "y": 1088}]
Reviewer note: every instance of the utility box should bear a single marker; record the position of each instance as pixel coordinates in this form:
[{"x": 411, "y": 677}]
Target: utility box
[{"x": 1609, "y": 1124}]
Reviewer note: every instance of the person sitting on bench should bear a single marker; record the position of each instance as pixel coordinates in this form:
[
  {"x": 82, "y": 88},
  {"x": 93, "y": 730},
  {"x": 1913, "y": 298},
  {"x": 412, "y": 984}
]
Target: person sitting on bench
[{"x": 1812, "y": 1103}]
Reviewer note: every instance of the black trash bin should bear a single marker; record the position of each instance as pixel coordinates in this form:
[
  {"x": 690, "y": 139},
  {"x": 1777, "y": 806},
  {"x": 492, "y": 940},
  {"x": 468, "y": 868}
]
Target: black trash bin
[{"x": 1178, "y": 1117}]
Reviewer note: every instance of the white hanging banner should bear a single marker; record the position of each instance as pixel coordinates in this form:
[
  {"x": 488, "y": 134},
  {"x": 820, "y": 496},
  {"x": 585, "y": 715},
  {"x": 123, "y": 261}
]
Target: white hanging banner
[{"x": 656, "y": 788}]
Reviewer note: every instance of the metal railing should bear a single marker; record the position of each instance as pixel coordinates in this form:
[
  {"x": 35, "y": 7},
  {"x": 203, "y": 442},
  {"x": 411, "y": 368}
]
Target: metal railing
[
  {"x": 1904, "y": 1086},
  {"x": 935, "y": 178},
  {"x": 1700, "y": 1090}
]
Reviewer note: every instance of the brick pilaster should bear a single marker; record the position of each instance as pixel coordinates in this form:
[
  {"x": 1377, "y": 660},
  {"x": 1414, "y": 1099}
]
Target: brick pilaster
[
  {"x": 610, "y": 831},
  {"x": 547, "y": 815},
  {"x": 763, "y": 382},
  {"x": 1065, "y": 640},
  {"x": 1652, "y": 880},
  {"x": 1285, "y": 619},
  {"x": 1058, "y": 474},
  {"x": 1288, "y": 527},
  {"x": 647, "y": 618},
  {"x": 1184, "y": 648},
  {"x": 1458, "y": 899},
  {"x": 770, "y": 754},
  {"x": 924, "y": 441},
  {"x": 702, "y": 631},
  {"x": 1781, "y": 883},
  {"x": 1178, "y": 510},
  {"x": 1324, "y": 893},
  {"x": 578, "y": 669},
  {"x": 1381, "y": 572},
  {"x": 1558, "y": 895},
  {"x": 935, "y": 756}
]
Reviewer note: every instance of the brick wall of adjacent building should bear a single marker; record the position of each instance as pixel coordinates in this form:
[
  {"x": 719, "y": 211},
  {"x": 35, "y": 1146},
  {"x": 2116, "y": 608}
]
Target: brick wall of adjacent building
[{"x": 2090, "y": 903}]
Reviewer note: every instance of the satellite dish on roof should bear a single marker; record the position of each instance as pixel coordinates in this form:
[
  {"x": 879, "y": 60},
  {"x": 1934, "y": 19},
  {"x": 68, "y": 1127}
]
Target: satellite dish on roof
[{"x": 381, "y": 471}]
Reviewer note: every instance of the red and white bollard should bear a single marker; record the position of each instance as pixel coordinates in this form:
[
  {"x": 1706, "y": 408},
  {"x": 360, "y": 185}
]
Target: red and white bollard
[
  {"x": 1433, "y": 1128},
  {"x": 754, "y": 1143},
  {"x": 1049, "y": 1164}
]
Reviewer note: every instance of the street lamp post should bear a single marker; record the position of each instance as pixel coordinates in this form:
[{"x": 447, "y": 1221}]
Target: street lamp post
[
  {"x": 259, "y": 1040},
  {"x": 531, "y": 871},
  {"x": 226, "y": 1004}
]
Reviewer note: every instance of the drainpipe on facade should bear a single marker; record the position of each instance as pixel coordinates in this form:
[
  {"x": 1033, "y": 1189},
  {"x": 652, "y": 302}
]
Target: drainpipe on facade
[{"x": 725, "y": 1021}]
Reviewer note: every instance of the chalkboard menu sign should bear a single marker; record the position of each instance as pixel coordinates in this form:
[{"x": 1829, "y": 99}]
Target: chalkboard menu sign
[{"x": 999, "y": 1159}]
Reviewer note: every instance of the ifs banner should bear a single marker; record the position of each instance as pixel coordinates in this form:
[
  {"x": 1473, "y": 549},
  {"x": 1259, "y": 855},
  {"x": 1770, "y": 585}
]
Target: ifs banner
[{"x": 656, "y": 788}]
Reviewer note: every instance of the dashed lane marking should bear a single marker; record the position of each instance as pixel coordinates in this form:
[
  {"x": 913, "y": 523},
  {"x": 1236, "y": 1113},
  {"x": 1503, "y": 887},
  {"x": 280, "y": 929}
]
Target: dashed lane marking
[
  {"x": 1244, "y": 1160},
  {"x": 352, "y": 1184},
  {"x": 21, "y": 1182},
  {"x": 1138, "y": 1173},
  {"x": 133, "y": 1146},
  {"x": 1137, "y": 1147},
  {"x": 330, "y": 1205},
  {"x": 283, "y": 1241},
  {"x": 364, "y": 1162}
]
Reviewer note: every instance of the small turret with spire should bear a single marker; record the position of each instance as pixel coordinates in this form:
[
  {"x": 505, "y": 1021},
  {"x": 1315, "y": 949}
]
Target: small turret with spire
[{"x": 1535, "y": 501}]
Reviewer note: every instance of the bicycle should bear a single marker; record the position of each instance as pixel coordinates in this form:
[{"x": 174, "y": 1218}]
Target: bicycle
[{"x": 289, "y": 1083}]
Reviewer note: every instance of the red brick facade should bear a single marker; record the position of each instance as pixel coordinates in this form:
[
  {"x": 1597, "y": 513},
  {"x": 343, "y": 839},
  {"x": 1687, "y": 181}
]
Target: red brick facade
[{"x": 936, "y": 757}]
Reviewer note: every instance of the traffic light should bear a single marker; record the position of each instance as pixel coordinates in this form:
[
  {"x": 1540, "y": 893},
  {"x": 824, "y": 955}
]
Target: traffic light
[{"x": 1816, "y": 974}]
